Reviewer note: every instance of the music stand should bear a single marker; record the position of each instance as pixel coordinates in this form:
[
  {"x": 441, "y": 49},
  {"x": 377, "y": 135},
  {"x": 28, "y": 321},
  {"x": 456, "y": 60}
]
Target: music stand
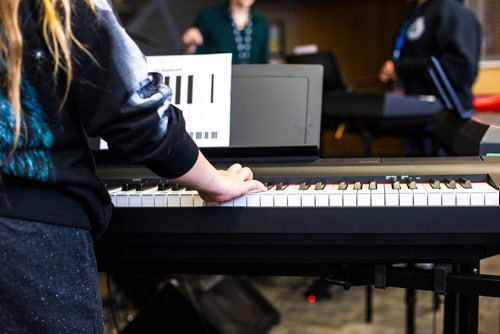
[{"x": 445, "y": 91}]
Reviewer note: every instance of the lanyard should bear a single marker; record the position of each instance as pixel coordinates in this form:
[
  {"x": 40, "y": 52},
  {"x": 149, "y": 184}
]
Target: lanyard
[{"x": 400, "y": 40}]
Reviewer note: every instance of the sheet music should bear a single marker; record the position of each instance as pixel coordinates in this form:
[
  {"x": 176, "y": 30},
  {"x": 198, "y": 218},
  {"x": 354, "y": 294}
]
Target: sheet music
[{"x": 201, "y": 88}]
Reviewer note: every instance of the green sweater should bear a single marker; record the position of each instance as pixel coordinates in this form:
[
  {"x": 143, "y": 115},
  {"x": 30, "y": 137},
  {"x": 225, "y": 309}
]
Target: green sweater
[{"x": 214, "y": 24}]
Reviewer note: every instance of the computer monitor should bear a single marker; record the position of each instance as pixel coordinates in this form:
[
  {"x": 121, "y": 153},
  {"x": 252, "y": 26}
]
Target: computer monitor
[
  {"x": 275, "y": 114},
  {"x": 445, "y": 91}
]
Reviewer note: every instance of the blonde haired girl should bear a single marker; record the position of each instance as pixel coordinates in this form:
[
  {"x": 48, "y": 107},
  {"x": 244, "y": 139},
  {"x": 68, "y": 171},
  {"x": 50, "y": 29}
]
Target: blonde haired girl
[{"x": 68, "y": 70}]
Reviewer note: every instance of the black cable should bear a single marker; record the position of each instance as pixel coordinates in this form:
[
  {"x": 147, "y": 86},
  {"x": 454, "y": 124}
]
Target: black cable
[{"x": 111, "y": 303}]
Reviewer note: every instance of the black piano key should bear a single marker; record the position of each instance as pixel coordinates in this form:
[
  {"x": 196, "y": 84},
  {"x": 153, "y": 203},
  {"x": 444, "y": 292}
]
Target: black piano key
[
  {"x": 112, "y": 185},
  {"x": 163, "y": 186},
  {"x": 319, "y": 186},
  {"x": 412, "y": 185},
  {"x": 357, "y": 185},
  {"x": 435, "y": 184},
  {"x": 396, "y": 185},
  {"x": 145, "y": 186},
  {"x": 303, "y": 186},
  {"x": 342, "y": 186},
  {"x": 373, "y": 185},
  {"x": 281, "y": 186},
  {"x": 467, "y": 184},
  {"x": 177, "y": 187},
  {"x": 451, "y": 184},
  {"x": 128, "y": 186}
]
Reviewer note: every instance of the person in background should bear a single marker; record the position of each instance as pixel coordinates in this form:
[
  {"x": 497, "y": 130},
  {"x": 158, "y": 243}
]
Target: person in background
[
  {"x": 232, "y": 27},
  {"x": 61, "y": 81},
  {"x": 445, "y": 29}
]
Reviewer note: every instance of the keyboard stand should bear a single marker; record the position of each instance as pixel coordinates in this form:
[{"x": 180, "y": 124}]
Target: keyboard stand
[{"x": 461, "y": 284}]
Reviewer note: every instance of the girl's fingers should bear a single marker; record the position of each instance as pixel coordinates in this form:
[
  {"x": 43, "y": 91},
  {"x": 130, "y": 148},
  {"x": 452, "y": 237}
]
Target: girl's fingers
[{"x": 235, "y": 168}]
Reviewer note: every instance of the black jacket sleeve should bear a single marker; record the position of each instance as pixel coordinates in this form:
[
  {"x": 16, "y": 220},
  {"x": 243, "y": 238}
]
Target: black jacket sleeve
[{"x": 119, "y": 101}]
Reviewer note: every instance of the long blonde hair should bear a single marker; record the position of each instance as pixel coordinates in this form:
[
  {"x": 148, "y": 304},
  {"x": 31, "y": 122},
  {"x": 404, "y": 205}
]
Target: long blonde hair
[{"x": 58, "y": 36}]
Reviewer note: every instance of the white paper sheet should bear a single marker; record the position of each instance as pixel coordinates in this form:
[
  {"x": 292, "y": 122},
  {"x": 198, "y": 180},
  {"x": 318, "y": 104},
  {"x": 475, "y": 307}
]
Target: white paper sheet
[{"x": 201, "y": 87}]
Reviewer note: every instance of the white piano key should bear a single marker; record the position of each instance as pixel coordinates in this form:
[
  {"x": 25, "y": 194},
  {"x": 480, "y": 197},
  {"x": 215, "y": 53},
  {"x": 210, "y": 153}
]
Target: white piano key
[
  {"x": 112, "y": 193},
  {"x": 350, "y": 196},
  {"x": 280, "y": 200},
  {"x": 476, "y": 194},
  {"x": 336, "y": 196},
  {"x": 463, "y": 196},
  {"x": 198, "y": 201},
  {"x": 135, "y": 200},
  {"x": 281, "y": 197},
  {"x": 160, "y": 198},
  {"x": 364, "y": 196},
  {"x": 240, "y": 201},
  {"x": 147, "y": 197},
  {"x": 405, "y": 195},
  {"x": 294, "y": 195},
  {"x": 174, "y": 198},
  {"x": 448, "y": 196},
  {"x": 378, "y": 195},
  {"x": 148, "y": 200},
  {"x": 122, "y": 198},
  {"x": 419, "y": 195},
  {"x": 113, "y": 199},
  {"x": 322, "y": 196},
  {"x": 433, "y": 195},
  {"x": 187, "y": 198},
  {"x": 391, "y": 195},
  {"x": 308, "y": 197},
  {"x": 267, "y": 197},
  {"x": 491, "y": 195},
  {"x": 227, "y": 204},
  {"x": 253, "y": 199}
]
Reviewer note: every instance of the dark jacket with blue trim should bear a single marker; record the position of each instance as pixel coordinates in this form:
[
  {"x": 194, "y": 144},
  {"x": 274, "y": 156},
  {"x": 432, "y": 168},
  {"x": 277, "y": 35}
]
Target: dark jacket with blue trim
[{"x": 449, "y": 31}]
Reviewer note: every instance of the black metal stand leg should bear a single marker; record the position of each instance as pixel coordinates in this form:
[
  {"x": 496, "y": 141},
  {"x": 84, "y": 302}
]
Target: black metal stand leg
[
  {"x": 469, "y": 309},
  {"x": 450, "y": 314},
  {"x": 469, "y": 305},
  {"x": 410, "y": 310},
  {"x": 368, "y": 303},
  {"x": 461, "y": 310}
]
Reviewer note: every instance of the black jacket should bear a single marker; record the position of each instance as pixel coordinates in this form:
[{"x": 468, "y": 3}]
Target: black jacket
[
  {"x": 449, "y": 31},
  {"x": 51, "y": 177}
]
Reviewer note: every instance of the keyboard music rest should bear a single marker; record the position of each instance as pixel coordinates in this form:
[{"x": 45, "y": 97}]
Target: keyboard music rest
[{"x": 306, "y": 240}]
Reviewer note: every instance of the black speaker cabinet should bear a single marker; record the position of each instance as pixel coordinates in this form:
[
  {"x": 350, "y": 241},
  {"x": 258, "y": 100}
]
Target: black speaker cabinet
[{"x": 206, "y": 304}]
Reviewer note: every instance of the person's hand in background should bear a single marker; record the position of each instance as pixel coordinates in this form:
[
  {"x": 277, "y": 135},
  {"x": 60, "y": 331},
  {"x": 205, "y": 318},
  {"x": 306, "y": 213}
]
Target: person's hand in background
[
  {"x": 388, "y": 72},
  {"x": 191, "y": 39}
]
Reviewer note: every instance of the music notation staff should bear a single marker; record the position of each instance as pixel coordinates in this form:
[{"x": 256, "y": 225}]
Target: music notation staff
[{"x": 348, "y": 194}]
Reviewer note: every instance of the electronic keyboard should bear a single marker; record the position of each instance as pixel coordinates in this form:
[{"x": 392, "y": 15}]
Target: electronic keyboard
[{"x": 313, "y": 215}]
